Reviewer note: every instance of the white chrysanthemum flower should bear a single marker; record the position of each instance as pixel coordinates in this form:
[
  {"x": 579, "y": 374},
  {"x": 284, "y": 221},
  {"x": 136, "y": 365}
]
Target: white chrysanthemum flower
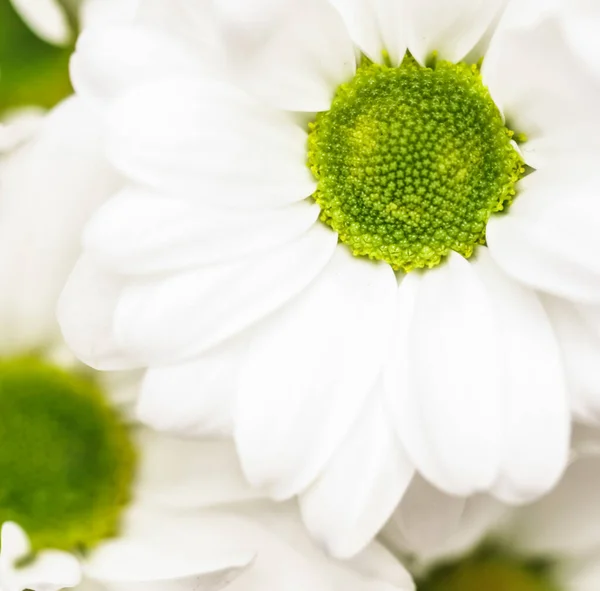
[
  {"x": 350, "y": 292},
  {"x": 476, "y": 544},
  {"x": 87, "y": 499}
]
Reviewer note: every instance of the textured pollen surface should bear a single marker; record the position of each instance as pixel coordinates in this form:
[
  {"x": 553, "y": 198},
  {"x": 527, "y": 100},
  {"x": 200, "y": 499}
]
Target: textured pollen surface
[
  {"x": 66, "y": 462},
  {"x": 488, "y": 574},
  {"x": 412, "y": 161}
]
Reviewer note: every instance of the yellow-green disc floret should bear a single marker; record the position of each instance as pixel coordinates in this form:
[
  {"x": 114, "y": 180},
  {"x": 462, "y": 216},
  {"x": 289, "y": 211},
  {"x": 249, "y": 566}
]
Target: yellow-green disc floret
[
  {"x": 495, "y": 572},
  {"x": 66, "y": 460},
  {"x": 412, "y": 161}
]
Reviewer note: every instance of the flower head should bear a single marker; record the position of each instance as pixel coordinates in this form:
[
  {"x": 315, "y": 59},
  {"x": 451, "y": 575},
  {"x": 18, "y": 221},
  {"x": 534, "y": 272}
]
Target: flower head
[{"x": 337, "y": 218}]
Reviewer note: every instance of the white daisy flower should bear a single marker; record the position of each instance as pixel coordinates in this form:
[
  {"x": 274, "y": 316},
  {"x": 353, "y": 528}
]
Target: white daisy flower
[
  {"x": 86, "y": 499},
  {"x": 551, "y": 545},
  {"x": 331, "y": 241}
]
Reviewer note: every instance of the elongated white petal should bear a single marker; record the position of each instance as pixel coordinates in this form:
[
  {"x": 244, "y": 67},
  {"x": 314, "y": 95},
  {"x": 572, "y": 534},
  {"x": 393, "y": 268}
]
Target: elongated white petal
[
  {"x": 457, "y": 409},
  {"x": 174, "y": 233},
  {"x": 534, "y": 389},
  {"x": 291, "y": 53},
  {"x": 47, "y": 18},
  {"x": 41, "y": 219},
  {"x": 110, "y": 60},
  {"x": 548, "y": 240},
  {"x": 452, "y": 29},
  {"x": 205, "y": 140},
  {"x": 181, "y": 315},
  {"x": 308, "y": 371},
  {"x": 85, "y": 313},
  {"x": 189, "y": 552},
  {"x": 426, "y": 518},
  {"x": 378, "y": 27},
  {"x": 194, "y": 398},
  {"x": 580, "y": 343},
  {"x": 549, "y": 96},
  {"x": 360, "y": 486},
  {"x": 564, "y": 522},
  {"x": 51, "y": 570},
  {"x": 186, "y": 473}
]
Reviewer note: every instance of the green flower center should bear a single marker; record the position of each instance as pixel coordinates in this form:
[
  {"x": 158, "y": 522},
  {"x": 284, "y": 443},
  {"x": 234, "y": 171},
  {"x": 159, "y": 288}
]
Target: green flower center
[
  {"x": 412, "y": 161},
  {"x": 490, "y": 572},
  {"x": 66, "y": 460}
]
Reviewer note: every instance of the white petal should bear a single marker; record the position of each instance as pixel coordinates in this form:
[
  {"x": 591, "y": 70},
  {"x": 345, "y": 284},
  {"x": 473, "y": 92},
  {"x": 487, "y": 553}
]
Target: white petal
[
  {"x": 15, "y": 543},
  {"x": 308, "y": 371},
  {"x": 533, "y": 388},
  {"x": 580, "y": 23},
  {"x": 50, "y": 571},
  {"x": 426, "y": 518},
  {"x": 189, "y": 552},
  {"x": 580, "y": 344},
  {"x": 376, "y": 26},
  {"x": 542, "y": 89},
  {"x": 449, "y": 405},
  {"x": 110, "y": 60},
  {"x": 452, "y": 29},
  {"x": 180, "y": 473},
  {"x": 190, "y": 21},
  {"x": 205, "y": 140},
  {"x": 170, "y": 318},
  {"x": 141, "y": 232},
  {"x": 41, "y": 219},
  {"x": 360, "y": 486},
  {"x": 85, "y": 313},
  {"x": 548, "y": 240},
  {"x": 566, "y": 521},
  {"x": 194, "y": 398},
  {"x": 47, "y": 18},
  {"x": 95, "y": 13},
  {"x": 291, "y": 53}
]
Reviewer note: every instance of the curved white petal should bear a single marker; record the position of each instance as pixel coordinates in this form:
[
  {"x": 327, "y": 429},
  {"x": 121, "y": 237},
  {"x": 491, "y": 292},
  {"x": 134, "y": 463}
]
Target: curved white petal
[
  {"x": 167, "y": 319},
  {"x": 543, "y": 90},
  {"x": 42, "y": 214},
  {"x": 360, "y": 486},
  {"x": 580, "y": 343},
  {"x": 191, "y": 21},
  {"x": 534, "y": 393},
  {"x": 110, "y": 60},
  {"x": 444, "y": 380},
  {"x": 188, "y": 552},
  {"x": 51, "y": 570},
  {"x": 425, "y": 519},
  {"x": 185, "y": 473},
  {"x": 452, "y": 29},
  {"x": 85, "y": 313},
  {"x": 438, "y": 527},
  {"x": 309, "y": 370},
  {"x": 46, "y": 18},
  {"x": 291, "y": 53},
  {"x": 205, "y": 140},
  {"x": 194, "y": 398},
  {"x": 376, "y": 26},
  {"x": 549, "y": 239},
  {"x": 565, "y": 522},
  {"x": 140, "y": 232}
]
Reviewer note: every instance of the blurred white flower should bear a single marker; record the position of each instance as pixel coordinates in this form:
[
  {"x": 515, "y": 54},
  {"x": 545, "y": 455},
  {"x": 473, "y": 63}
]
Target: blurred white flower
[
  {"x": 334, "y": 373},
  {"x": 459, "y": 544}
]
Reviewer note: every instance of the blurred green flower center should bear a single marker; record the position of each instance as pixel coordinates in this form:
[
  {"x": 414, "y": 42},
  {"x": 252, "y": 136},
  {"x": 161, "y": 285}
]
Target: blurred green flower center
[
  {"x": 66, "y": 460},
  {"x": 489, "y": 573},
  {"x": 412, "y": 161}
]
